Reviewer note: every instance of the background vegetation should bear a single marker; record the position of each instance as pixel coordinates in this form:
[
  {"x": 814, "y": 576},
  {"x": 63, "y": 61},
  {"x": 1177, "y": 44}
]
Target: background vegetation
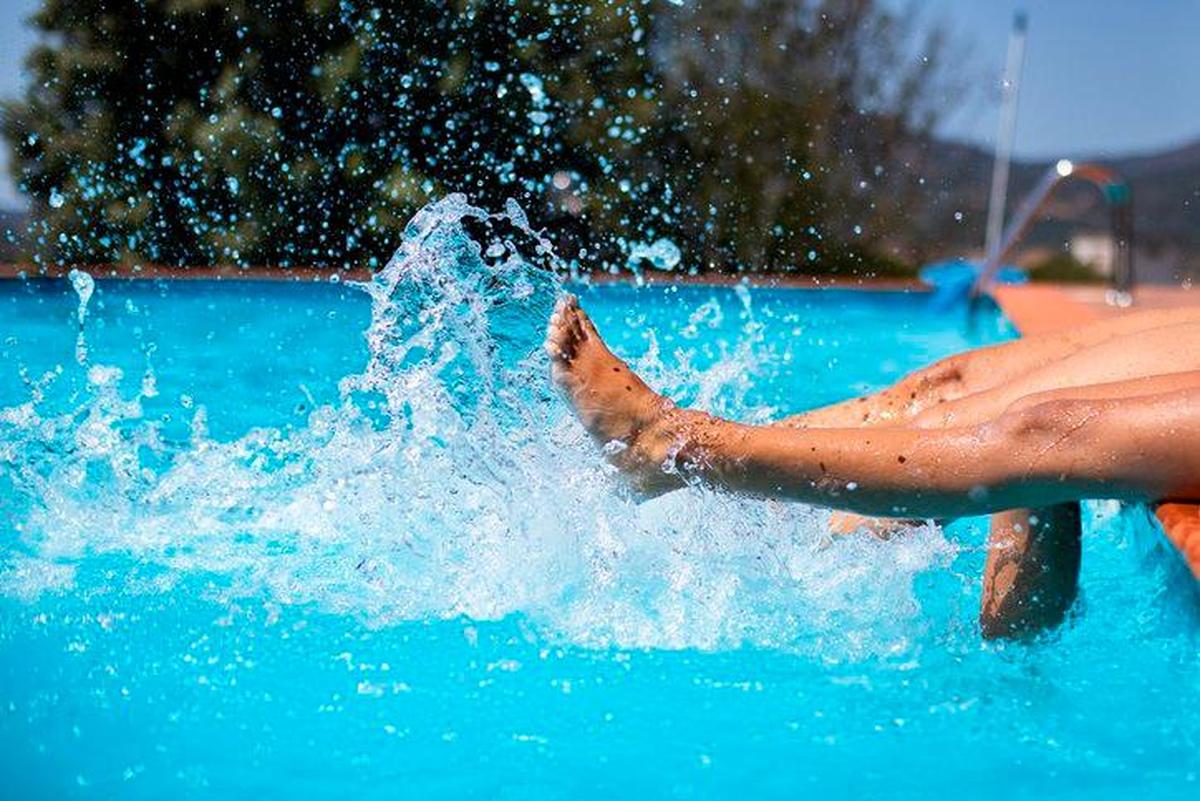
[{"x": 763, "y": 134}]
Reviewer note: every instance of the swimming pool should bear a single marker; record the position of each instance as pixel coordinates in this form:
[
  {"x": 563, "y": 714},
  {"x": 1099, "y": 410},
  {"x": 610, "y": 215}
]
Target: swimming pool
[{"x": 289, "y": 540}]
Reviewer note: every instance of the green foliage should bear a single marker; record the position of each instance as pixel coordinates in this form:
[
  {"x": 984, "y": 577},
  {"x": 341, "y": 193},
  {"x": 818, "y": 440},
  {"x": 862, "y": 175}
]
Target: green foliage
[
  {"x": 305, "y": 132},
  {"x": 797, "y": 118}
]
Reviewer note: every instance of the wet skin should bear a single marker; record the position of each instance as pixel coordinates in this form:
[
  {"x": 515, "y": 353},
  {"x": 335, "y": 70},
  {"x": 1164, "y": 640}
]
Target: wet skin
[{"x": 1097, "y": 412}]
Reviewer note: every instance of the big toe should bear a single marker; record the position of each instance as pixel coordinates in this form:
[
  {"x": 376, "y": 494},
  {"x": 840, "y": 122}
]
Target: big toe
[
  {"x": 587, "y": 329},
  {"x": 562, "y": 332}
]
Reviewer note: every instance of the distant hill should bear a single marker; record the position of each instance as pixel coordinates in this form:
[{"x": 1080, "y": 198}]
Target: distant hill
[{"x": 1166, "y": 194}]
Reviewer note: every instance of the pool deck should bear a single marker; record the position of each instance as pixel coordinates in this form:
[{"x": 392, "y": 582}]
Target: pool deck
[{"x": 1045, "y": 308}]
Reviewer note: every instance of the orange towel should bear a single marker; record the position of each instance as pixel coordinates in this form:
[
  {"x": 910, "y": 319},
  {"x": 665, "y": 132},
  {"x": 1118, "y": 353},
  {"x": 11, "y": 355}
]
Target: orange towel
[{"x": 1181, "y": 521}]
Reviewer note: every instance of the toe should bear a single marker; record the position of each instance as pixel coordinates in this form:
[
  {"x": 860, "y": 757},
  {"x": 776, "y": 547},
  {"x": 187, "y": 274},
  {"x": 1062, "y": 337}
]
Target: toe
[
  {"x": 573, "y": 323},
  {"x": 560, "y": 340},
  {"x": 587, "y": 327}
]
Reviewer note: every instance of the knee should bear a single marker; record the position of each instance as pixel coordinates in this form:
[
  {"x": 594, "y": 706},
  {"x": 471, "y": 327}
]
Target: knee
[
  {"x": 930, "y": 383},
  {"x": 946, "y": 371},
  {"x": 1033, "y": 420}
]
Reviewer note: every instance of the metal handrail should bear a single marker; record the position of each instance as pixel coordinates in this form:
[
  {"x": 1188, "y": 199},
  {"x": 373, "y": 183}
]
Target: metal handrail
[{"x": 1120, "y": 201}]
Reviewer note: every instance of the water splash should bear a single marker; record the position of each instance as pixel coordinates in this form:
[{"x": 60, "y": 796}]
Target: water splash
[
  {"x": 449, "y": 480},
  {"x": 84, "y": 285},
  {"x": 663, "y": 254}
]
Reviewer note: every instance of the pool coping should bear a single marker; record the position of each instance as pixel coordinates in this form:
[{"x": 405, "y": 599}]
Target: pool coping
[
  {"x": 152, "y": 272},
  {"x": 1045, "y": 308}
]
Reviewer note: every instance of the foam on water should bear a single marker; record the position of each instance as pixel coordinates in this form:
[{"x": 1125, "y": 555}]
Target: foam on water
[{"x": 450, "y": 480}]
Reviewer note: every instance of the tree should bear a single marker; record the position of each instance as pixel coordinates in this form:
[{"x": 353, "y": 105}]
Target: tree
[
  {"x": 305, "y": 132},
  {"x": 799, "y": 125},
  {"x": 297, "y": 131}
]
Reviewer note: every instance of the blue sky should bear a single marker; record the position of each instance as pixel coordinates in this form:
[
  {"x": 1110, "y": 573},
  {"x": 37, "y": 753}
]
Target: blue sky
[
  {"x": 1102, "y": 77},
  {"x": 15, "y": 41}
]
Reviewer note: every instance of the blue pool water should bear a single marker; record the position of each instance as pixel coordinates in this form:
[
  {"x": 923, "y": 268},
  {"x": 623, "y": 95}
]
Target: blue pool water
[{"x": 283, "y": 540}]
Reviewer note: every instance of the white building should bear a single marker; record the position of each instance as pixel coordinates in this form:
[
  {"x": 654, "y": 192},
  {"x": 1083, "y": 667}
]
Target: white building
[{"x": 1095, "y": 250}]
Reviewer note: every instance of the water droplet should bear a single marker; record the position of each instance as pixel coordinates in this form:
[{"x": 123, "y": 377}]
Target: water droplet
[
  {"x": 536, "y": 89},
  {"x": 663, "y": 254}
]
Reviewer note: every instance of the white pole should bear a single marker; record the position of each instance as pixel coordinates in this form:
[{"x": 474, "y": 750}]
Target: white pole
[{"x": 1008, "y": 128}]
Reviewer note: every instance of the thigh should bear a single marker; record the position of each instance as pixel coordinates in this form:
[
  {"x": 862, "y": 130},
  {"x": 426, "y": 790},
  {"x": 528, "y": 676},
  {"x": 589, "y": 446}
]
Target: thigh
[
  {"x": 1142, "y": 448},
  {"x": 987, "y": 368},
  {"x": 919, "y": 395},
  {"x": 1146, "y": 362}
]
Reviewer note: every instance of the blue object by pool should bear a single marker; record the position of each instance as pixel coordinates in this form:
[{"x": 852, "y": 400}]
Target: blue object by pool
[
  {"x": 952, "y": 281},
  {"x": 250, "y": 552}
]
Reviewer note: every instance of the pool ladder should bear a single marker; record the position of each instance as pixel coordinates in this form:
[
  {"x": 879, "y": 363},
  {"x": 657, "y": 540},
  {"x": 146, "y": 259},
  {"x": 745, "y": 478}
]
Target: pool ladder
[{"x": 1117, "y": 196}]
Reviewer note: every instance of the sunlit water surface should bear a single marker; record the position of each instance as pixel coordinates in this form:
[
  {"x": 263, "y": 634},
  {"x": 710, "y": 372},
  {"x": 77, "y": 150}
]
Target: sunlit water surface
[{"x": 273, "y": 540}]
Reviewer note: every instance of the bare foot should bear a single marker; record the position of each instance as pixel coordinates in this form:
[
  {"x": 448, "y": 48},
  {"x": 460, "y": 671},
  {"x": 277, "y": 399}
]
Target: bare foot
[{"x": 632, "y": 423}]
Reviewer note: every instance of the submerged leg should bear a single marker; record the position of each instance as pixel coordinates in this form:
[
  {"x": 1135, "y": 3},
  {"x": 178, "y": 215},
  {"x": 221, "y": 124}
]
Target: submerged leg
[{"x": 1031, "y": 578}]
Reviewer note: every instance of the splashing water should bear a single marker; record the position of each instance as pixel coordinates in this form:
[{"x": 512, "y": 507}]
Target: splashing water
[
  {"x": 662, "y": 255},
  {"x": 84, "y": 285},
  {"x": 449, "y": 480}
]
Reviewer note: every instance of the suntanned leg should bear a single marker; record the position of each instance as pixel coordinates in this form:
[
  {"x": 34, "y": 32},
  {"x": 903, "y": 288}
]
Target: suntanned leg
[
  {"x": 982, "y": 370},
  {"x": 976, "y": 409},
  {"x": 1165, "y": 353},
  {"x": 978, "y": 385},
  {"x": 1128, "y": 359},
  {"x": 1031, "y": 578},
  {"x": 1032, "y": 568},
  {"x": 1054, "y": 452}
]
